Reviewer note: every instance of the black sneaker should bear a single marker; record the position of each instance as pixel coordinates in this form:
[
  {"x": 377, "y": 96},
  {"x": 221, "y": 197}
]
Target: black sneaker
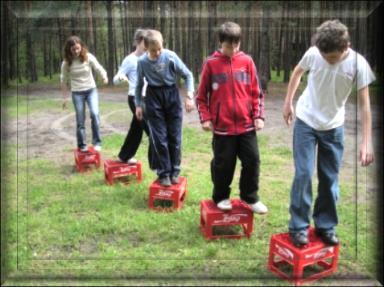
[
  {"x": 328, "y": 237},
  {"x": 299, "y": 238},
  {"x": 165, "y": 181},
  {"x": 175, "y": 179}
]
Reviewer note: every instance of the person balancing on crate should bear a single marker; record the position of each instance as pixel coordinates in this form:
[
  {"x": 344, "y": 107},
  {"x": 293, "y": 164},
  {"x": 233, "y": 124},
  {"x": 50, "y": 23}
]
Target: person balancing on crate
[
  {"x": 334, "y": 69},
  {"x": 163, "y": 108},
  {"x": 231, "y": 104}
]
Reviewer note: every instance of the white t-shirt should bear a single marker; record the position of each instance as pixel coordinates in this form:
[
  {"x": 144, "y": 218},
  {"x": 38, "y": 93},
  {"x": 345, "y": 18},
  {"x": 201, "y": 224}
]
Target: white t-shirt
[
  {"x": 80, "y": 75},
  {"x": 322, "y": 104}
]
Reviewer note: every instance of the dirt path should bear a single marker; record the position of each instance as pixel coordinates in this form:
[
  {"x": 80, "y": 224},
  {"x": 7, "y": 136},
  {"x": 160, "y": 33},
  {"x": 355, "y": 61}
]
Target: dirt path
[{"x": 46, "y": 134}]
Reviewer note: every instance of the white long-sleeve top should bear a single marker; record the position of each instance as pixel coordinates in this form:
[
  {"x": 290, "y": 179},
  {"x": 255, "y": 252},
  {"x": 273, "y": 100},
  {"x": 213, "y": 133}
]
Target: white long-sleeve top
[{"x": 79, "y": 75}]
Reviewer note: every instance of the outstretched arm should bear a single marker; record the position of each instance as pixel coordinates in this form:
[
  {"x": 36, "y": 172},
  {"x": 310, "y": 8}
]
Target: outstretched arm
[
  {"x": 366, "y": 148},
  {"x": 294, "y": 81}
]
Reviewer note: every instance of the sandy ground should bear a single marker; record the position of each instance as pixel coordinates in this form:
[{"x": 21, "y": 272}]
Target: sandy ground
[{"x": 47, "y": 133}]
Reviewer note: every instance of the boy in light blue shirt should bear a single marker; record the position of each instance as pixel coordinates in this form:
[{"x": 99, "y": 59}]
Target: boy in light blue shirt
[{"x": 164, "y": 113}]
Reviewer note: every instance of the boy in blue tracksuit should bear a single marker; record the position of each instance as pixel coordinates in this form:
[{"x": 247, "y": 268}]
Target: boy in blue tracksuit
[{"x": 164, "y": 114}]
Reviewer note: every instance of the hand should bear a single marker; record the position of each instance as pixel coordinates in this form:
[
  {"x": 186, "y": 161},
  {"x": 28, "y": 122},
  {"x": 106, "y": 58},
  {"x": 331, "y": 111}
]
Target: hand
[
  {"x": 189, "y": 105},
  {"x": 288, "y": 113},
  {"x": 139, "y": 113},
  {"x": 105, "y": 80},
  {"x": 366, "y": 154},
  {"x": 259, "y": 124},
  {"x": 207, "y": 125},
  {"x": 123, "y": 78}
]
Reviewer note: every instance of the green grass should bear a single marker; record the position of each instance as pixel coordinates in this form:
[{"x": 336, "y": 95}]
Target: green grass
[
  {"x": 60, "y": 223},
  {"x": 72, "y": 222}
]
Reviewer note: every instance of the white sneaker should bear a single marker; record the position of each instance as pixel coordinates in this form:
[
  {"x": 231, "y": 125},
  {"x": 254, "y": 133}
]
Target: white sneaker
[
  {"x": 97, "y": 147},
  {"x": 132, "y": 161},
  {"x": 259, "y": 207},
  {"x": 225, "y": 204},
  {"x": 84, "y": 149}
]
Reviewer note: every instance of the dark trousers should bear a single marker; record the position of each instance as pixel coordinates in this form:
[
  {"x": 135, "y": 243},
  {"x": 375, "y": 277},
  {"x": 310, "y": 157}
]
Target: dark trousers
[
  {"x": 134, "y": 136},
  {"x": 226, "y": 149},
  {"x": 164, "y": 114}
]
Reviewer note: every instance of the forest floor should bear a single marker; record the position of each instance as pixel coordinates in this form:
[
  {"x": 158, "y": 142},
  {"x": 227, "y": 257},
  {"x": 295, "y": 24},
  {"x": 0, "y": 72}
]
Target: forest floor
[{"x": 46, "y": 131}]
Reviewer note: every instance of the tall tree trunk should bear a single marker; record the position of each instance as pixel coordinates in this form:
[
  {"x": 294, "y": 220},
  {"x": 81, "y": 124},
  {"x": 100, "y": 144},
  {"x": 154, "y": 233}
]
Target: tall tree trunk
[
  {"x": 128, "y": 36},
  {"x": 123, "y": 27},
  {"x": 286, "y": 43},
  {"x": 45, "y": 55},
  {"x": 264, "y": 63},
  {"x": 4, "y": 44},
  {"x": 50, "y": 58},
  {"x": 30, "y": 53},
  {"x": 94, "y": 27},
  {"x": 111, "y": 44},
  {"x": 89, "y": 30},
  {"x": 212, "y": 24}
]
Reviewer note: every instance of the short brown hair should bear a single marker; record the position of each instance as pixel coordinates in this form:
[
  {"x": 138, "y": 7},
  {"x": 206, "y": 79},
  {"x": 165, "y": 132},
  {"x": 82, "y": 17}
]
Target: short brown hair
[
  {"x": 229, "y": 32},
  {"x": 139, "y": 36},
  {"x": 331, "y": 36},
  {"x": 153, "y": 37}
]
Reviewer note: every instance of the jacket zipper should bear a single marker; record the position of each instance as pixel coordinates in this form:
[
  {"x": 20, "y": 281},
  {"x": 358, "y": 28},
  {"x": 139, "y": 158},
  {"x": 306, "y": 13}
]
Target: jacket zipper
[
  {"x": 233, "y": 96},
  {"x": 217, "y": 114}
]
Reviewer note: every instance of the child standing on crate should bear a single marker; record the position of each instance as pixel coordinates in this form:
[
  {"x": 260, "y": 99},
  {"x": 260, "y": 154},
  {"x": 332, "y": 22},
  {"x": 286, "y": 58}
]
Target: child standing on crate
[
  {"x": 163, "y": 108},
  {"x": 76, "y": 72},
  {"x": 128, "y": 73},
  {"x": 334, "y": 69},
  {"x": 231, "y": 104}
]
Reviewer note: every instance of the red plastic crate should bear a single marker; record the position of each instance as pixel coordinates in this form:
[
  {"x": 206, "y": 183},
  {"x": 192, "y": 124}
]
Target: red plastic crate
[
  {"x": 116, "y": 169},
  {"x": 316, "y": 254},
  {"x": 175, "y": 194},
  {"x": 211, "y": 216},
  {"x": 84, "y": 160}
]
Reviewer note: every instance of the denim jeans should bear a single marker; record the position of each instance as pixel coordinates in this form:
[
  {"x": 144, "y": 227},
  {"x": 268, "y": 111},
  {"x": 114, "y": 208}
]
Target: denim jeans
[
  {"x": 79, "y": 99},
  {"x": 330, "y": 146}
]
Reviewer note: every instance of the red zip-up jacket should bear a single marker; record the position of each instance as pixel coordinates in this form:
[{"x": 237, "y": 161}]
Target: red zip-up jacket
[{"x": 229, "y": 94}]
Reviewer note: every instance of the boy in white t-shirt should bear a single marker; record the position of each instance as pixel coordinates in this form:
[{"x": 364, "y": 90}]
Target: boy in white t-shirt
[{"x": 334, "y": 69}]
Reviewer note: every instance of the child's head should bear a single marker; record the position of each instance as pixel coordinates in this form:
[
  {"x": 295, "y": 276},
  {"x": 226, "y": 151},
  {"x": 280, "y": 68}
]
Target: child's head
[
  {"x": 74, "y": 48},
  {"x": 153, "y": 42},
  {"x": 139, "y": 39},
  {"x": 332, "y": 39},
  {"x": 229, "y": 38}
]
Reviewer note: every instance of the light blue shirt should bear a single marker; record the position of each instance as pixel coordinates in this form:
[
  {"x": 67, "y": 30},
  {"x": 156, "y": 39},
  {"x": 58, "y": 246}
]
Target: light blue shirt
[
  {"x": 128, "y": 68},
  {"x": 161, "y": 72}
]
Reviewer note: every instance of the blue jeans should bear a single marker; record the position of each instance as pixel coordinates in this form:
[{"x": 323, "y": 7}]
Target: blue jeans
[
  {"x": 79, "y": 99},
  {"x": 330, "y": 146}
]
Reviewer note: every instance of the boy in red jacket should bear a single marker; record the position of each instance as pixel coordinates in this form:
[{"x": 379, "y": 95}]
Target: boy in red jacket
[{"x": 231, "y": 104}]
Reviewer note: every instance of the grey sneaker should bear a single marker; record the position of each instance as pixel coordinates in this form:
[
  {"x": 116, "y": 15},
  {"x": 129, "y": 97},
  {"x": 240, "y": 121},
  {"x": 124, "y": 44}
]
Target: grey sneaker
[
  {"x": 225, "y": 204},
  {"x": 175, "y": 179},
  {"x": 165, "y": 181},
  {"x": 299, "y": 238},
  {"x": 97, "y": 147}
]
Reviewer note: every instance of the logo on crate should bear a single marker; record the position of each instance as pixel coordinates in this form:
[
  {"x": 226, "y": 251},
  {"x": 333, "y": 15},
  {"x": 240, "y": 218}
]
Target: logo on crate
[
  {"x": 230, "y": 218},
  {"x": 320, "y": 254},
  {"x": 88, "y": 158},
  {"x": 164, "y": 193},
  {"x": 284, "y": 252},
  {"x": 122, "y": 169}
]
